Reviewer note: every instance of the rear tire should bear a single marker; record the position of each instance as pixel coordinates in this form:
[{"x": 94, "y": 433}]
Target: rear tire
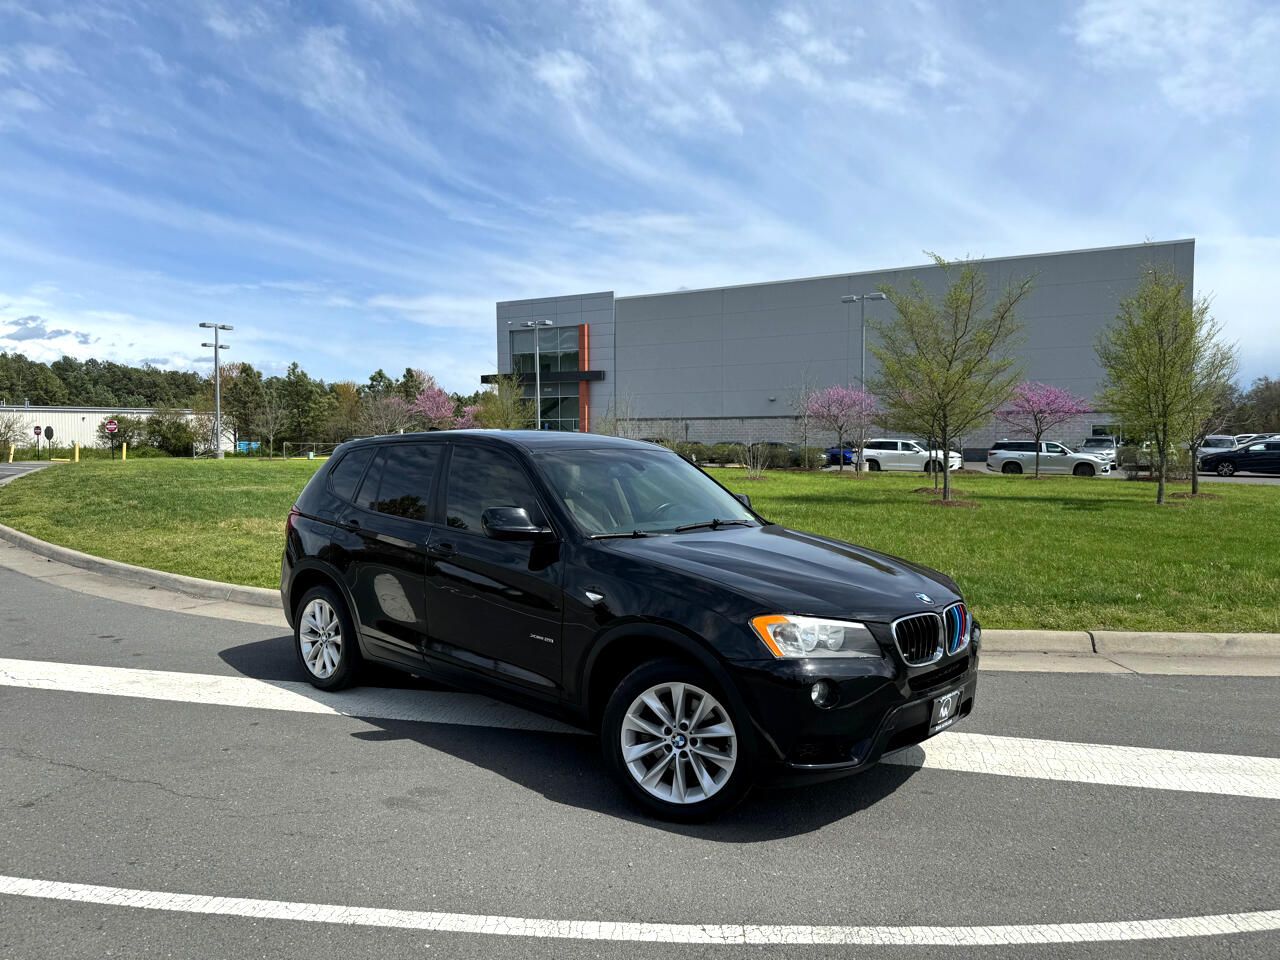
[
  {"x": 1226, "y": 469},
  {"x": 1083, "y": 470},
  {"x": 324, "y": 638},
  {"x": 873, "y": 466},
  {"x": 1010, "y": 467},
  {"x": 676, "y": 744}
]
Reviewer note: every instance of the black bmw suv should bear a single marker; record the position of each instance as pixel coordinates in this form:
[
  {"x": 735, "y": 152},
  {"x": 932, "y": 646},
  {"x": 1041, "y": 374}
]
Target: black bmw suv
[{"x": 616, "y": 585}]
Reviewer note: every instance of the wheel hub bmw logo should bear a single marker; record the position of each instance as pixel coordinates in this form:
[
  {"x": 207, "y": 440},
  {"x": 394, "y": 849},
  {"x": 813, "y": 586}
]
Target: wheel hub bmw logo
[
  {"x": 924, "y": 598},
  {"x": 679, "y": 740}
]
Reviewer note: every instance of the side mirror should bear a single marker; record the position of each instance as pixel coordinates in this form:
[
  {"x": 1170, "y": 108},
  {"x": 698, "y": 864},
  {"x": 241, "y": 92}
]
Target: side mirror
[
  {"x": 512, "y": 523},
  {"x": 743, "y": 499}
]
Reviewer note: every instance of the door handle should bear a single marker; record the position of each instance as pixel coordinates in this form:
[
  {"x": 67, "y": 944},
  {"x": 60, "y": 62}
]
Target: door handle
[{"x": 442, "y": 549}]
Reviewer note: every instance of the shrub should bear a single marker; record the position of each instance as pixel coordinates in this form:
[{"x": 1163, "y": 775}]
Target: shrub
[
  {"x": 809, "y": 458},
  {"x": 695, "y": 451},
  {"x": 724, "y": 453},
  {"x": 171, "y": 432}
]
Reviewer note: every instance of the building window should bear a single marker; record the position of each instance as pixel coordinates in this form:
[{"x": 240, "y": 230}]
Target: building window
[
  {"x": 557, "y": 349},
  {"x": 559, "y": 403},
  {"x": 557, "y": 352}
]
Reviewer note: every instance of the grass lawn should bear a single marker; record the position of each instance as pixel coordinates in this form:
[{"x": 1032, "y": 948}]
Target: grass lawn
[{"x": 1060, "y": 553}]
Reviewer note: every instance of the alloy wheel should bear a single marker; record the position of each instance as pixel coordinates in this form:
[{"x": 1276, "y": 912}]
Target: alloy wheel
[
  {"x": 1226, "y": 469},
  {"x": 320, "y": 637},
  {"x": 679, "y": 743}
]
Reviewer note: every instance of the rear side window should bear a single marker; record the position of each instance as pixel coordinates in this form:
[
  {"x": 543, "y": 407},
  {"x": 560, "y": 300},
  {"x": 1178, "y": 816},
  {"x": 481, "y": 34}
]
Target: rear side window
[
  {"x": 882, "y": 445},
  {"x": 480, "y": 478},
  {"x": 402, "y": 480},
  {"x": 344, "y": 477}
]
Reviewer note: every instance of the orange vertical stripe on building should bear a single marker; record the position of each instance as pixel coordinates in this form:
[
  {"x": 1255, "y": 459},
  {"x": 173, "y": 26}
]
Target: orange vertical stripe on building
[{"x": 584, "y": 388}]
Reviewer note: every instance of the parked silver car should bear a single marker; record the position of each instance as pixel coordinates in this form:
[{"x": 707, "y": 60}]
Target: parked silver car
[
  {"x": 1019, "y": 456},
  {"x": 1108, "y": 448},
  {"x": 1218, "y": 443}
]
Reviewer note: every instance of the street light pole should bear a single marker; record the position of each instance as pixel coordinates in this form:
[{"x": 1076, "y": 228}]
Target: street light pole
[
  {"x": 217, "y": 383},
  {"x": 537, "y": 368},
  {"x": 861, "y": 300}
]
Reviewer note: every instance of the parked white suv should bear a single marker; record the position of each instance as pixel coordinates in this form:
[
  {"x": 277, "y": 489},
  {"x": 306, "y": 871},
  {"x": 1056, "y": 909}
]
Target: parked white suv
[
  {"x": 905, "y": 455},
  {"x": 1019, "y": 456}
]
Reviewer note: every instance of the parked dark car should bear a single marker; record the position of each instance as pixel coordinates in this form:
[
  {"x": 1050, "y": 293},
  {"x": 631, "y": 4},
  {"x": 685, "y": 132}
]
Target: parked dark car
[
  {"x": 1261, "y": 456},
  {"x": 614, "y": 584}
]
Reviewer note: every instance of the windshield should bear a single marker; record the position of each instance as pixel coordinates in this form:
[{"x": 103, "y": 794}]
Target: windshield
[
  {"x": 621, "y": 491},
  {"x": 1092, "y": 444}
]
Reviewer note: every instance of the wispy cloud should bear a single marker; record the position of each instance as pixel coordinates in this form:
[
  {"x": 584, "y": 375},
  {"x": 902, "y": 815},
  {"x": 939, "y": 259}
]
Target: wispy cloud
[{"x": 1208, "y": 58}]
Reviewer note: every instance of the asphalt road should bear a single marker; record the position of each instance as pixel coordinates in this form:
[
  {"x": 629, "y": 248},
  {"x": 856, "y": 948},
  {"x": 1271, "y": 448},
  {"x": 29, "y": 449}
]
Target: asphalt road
[
  {"x": 11, "y": 471},
  {"x": 177, "y": 797}
]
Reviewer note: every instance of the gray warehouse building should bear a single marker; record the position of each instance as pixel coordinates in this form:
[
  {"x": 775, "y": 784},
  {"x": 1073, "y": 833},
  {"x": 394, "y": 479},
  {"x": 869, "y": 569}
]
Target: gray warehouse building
[{"x": 729, "y": 363}]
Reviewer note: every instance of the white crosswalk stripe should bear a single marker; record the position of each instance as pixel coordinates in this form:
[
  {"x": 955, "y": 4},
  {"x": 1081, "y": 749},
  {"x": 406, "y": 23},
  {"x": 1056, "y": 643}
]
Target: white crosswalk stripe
[{"x": 1122, "y": 766}]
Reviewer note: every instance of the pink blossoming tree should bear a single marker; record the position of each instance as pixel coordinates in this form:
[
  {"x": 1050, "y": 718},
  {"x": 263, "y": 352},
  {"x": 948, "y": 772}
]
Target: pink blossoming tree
[
  {"x": 1037, "y": 408},
  {"x": 846, "y": 412},
  {"x": 435, "y": 407}
]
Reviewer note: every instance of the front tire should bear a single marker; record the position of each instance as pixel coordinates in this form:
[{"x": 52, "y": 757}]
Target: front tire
[
  {"x": 675, "y": 743},
  {"x": 1011, "y": 468},
  {"x": 1083, "y": 470},
  {"x": 1226, "y": 469},
  {"x": 324, "y": 638}
]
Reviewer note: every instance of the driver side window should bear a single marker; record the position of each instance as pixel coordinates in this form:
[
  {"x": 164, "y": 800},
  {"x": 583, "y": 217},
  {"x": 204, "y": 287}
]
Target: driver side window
[{"x": 480, "y": 478}]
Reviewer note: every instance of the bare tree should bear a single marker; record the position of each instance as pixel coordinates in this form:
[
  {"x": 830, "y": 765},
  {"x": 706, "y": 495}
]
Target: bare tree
[
  {"x": 388, "y": 413},
  {"x": 13, "y": 428},
  {"x": 270, "y": 417},
  {"x": 800, "y": 403},
  {"x": 618, "y": 419}
]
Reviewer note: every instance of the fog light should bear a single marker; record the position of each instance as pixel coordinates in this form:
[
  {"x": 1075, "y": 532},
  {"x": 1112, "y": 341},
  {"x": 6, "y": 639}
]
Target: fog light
[{"x": 823, "y": 694}]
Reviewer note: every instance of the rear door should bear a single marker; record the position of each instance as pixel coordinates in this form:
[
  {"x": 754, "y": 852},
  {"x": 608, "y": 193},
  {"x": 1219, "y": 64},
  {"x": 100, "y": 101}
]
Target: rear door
[
  {"x": 387, "y": 531},
  {"x": 495, "y": 605}
]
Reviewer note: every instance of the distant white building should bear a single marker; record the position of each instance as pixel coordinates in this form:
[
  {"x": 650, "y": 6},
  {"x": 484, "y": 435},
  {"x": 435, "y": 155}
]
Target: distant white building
[{"x": 80, "y": 424}]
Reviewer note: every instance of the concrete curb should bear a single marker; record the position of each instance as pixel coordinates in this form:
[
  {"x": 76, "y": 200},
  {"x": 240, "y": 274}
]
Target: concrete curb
[
  {"x": 1188, "y": 644},
  {"x": 189, "y": 586},
  {"x": 1074, "y": 642}
]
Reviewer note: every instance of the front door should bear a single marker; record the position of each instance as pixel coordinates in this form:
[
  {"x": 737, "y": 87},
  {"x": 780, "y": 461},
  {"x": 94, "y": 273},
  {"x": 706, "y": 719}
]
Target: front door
[
  {"x": 390, "y": 526},
  {"x": 495, "y": 605},
  {"x": 1054, "y": 459}
]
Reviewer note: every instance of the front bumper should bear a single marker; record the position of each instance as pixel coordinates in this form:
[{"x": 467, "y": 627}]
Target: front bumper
[{"x": 881, "y": 706}]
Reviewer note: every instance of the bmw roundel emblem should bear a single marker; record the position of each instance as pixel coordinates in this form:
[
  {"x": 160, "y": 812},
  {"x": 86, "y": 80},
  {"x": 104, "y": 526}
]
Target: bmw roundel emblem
[{"x": 924, "y": 598}]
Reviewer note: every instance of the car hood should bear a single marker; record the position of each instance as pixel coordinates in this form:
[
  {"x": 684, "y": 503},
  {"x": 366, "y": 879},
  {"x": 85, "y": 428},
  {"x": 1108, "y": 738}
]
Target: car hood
[{"x": 792, "y": 572}]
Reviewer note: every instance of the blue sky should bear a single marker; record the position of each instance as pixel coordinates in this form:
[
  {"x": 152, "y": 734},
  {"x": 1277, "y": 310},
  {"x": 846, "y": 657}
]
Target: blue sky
[{"x": 354, "y": 183}]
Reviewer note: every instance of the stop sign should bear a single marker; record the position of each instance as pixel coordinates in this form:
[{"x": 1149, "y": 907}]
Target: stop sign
[{"x": 112, "y": 426}]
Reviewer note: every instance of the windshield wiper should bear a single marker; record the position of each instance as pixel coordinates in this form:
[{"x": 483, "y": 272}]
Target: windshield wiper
[
  {"x": 633, "y": 535},
  {"x": 713, "y": 524}
]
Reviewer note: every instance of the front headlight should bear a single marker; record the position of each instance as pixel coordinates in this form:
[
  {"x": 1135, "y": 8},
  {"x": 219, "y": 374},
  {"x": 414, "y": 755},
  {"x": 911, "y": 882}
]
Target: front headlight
[{"x": 790, "y": 637}]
